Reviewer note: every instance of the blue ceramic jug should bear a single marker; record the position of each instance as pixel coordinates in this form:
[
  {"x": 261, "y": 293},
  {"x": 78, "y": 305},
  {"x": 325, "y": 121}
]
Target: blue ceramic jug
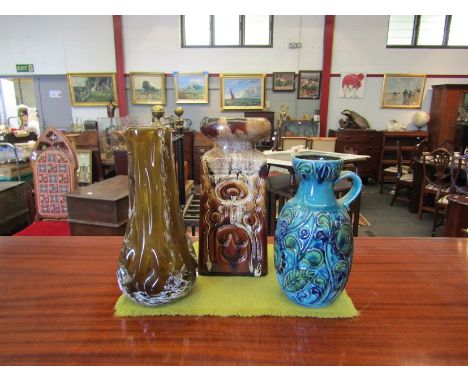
[{"x": 314, "y": 236}]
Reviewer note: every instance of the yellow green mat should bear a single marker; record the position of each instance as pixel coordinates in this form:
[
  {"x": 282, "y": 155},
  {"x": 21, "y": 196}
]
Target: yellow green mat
[{"x": 241, "y": 296}]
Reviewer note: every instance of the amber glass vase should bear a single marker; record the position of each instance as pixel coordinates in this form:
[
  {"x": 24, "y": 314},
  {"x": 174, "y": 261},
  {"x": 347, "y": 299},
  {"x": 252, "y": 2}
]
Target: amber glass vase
[
  {"x": 157, "y": 261},
  {"x": 233, "y": 234}
]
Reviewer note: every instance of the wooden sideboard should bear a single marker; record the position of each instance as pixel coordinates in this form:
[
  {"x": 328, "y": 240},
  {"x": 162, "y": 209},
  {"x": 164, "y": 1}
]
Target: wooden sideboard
[{"x": 362, "y": 142}]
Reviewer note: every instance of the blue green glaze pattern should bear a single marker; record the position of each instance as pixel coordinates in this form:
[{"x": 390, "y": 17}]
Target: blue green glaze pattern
[{"x": 314, "y": 238}]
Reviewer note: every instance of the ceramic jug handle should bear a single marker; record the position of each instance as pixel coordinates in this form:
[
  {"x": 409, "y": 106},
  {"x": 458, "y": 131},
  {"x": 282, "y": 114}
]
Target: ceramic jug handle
[{"x": 355, "y": 189}]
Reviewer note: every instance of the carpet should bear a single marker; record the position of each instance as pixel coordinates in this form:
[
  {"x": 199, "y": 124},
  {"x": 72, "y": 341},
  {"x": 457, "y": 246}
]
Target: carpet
[
  {"x": 46, "y": 228},
  {"x": 241, "y": 296}
]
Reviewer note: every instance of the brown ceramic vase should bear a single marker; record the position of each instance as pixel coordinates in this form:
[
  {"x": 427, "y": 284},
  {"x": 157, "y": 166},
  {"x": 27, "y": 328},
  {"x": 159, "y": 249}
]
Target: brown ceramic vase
[{"x": 233, "y": 234}]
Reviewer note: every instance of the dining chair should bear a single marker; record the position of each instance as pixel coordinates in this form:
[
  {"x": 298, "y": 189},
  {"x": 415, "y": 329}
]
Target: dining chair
[
  {"x": 448, "y": 145},
  {"x": 54, "y": 166},
  {"x": 388, "y": 173},
  {"x": 405, "y": 178},
  {"x": 436, "y": 184}
]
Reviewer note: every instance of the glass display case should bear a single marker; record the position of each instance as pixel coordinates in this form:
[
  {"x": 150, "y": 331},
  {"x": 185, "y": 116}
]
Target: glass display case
[{"x": 111, "y": 133}]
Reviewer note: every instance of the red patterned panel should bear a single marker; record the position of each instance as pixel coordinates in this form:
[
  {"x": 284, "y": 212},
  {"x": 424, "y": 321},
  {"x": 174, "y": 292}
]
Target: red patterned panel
[{"x": 54, "y": 181}]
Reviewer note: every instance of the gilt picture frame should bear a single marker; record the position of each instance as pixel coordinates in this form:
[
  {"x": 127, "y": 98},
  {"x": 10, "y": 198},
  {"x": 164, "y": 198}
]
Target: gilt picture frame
[
  {"x": 148, "y": 88},
  {"x": 403, "y": 91},
  {"x": 191, "y": 87},
  {"x": 92, "y": 89},
  {"x": 242, "y": 91}
]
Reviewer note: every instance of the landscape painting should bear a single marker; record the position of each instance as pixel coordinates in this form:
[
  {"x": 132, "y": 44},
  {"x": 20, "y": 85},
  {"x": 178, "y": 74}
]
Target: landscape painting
[
  {"x": 242, "y": 91},
  {"x": 92, "y": 89},
  {"x": 148, "y": 88},
  {"x": 191, "y": 87},
  {"x": 284, "y": 81},
  {"x": 403, "y": 91}
]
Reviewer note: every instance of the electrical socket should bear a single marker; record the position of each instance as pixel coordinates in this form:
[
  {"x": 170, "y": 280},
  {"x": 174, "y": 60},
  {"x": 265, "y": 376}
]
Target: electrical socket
[{"x": 295, "y": 45}]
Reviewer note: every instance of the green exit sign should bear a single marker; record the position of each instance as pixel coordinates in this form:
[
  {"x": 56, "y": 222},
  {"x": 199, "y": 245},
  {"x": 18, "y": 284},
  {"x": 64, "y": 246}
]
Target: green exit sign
[{"x": 24, "y": 68}]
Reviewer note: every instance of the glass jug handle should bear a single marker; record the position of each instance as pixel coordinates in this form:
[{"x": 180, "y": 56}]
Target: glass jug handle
[{"x": 353, "y": 193}]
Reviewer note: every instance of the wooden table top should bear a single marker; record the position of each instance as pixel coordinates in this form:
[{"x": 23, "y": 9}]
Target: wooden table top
[
  {"x": 58, "y": 294},
  {"x": 9, "y": 184},
  {"x": 114, "y": 188},
  {"x": 284, "y": 158}
]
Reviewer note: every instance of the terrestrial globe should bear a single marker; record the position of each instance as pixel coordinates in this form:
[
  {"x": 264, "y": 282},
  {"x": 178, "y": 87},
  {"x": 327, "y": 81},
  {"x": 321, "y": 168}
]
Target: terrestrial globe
[{"x": 420, "y": 119}]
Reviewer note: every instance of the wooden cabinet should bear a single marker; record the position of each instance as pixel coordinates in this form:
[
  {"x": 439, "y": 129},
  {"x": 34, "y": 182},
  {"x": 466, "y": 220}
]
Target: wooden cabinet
[
  {"x": 201, "y": 145},
  {"x": 362, "y": 142},
  {"x": 445, "y": 107},
  {"x": 100, "y": 209},
  {"x": 188, "y": 152},
  {"x": 388, "y": 158}
]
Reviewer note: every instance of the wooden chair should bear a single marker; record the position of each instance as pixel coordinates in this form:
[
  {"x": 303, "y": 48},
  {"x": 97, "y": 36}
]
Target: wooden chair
[
  {"x": 388, "y": 173},
  {"x": 54, "y": 166},
  {"x": 404, "y": 179},
  {"x": 436, "y": 183},
  {"x": 448, "y": 145}
]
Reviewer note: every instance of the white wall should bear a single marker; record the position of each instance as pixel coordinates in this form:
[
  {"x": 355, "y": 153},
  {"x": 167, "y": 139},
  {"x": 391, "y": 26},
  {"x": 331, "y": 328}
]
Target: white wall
[
  {"x": 152, "y": 43},
  {"x": 59, "y": 45},
  {"x": 63, "y": 44},
  {"x": 160, "y": 51},
  {"x": 360, "y": 46}
]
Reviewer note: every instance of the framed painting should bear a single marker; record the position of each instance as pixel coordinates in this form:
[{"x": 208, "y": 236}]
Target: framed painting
[
  {"x": 191, "y": 87},
  {"x": 148, "y": 88},
  {"x": 242, "y": 91},
  {"x": 299, "y": 128},
  {"x": 352, "y": 85},
  {"x": 85, "y": 166},
  {"x": 284, "y": 81},
  {"x": 92, "y": 89},
  {"x": 403, "y": 91},
  {"x": 309, "y": 84}
]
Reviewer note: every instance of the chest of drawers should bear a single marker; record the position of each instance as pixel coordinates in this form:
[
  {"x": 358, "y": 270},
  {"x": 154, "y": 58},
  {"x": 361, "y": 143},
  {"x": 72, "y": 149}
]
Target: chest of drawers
[{"x": 362, "y": 142}]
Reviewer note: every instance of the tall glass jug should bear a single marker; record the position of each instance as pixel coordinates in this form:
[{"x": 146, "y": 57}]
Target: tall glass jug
[{"x": 157, "y": 261}]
